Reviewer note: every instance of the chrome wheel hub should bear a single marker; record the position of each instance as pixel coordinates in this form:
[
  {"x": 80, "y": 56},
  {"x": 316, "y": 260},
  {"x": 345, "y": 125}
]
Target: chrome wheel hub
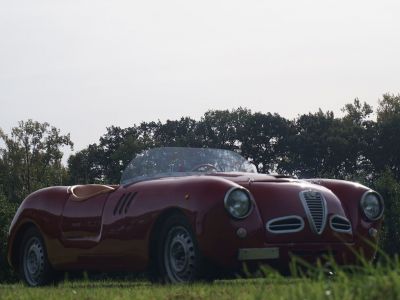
[
  {"x": 33, "y": 261},
  {"x": 179, "y": 255}
]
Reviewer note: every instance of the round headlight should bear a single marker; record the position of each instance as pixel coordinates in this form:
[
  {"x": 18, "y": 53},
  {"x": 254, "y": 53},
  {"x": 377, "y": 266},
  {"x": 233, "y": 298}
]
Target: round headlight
[
  {"x": 238, "y": 203},
  {"x": 372, "y": 205}
]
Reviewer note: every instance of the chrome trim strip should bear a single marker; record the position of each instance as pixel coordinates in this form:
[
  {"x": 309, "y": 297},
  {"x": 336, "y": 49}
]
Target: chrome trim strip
[
  {"x": 337, "y": 229},
  {"x": 288, "y": 230},
  {"x": 258, "y": 253},
  {"x": 308, "y": 212}
]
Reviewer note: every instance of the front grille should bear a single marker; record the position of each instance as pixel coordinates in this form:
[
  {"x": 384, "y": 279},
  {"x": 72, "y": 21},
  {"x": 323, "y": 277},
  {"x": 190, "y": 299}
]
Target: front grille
[
  {"x": 315, "y": 206},
  {"x": 340, "y": 224},
  {"x": 286, "y": 224}
]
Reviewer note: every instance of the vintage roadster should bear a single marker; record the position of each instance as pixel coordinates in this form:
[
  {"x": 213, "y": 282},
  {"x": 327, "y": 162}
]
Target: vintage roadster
[{"x": 180, "y": 212}]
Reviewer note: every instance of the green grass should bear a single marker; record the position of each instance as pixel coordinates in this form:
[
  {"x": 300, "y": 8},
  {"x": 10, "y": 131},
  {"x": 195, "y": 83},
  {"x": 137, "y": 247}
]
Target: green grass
[
  {"x": 382, "y": 283},
  {"x": 368, "y": 281}
]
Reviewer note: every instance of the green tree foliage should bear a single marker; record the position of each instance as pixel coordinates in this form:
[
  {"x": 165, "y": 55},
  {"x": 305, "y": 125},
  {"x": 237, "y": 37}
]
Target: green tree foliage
[
  {"x": 264, "y": 139},
  {"x": 85, "y": 166},
  {"x": 326, "y": 146},
  {"x": 260, "y": 137},
  {"x": 389, "y": 188},
  {"x": 7, "y": 211},
  {"x": 318, "y": 147},
  {"x": 31, "y": 158},
  {"x": 222, "y": 128},
  {"x": 386, "y": 152},
  {"x": 176, "y": 133},
  {"x": 105, "y": 161},
  {"x": 359, "y": 132}
]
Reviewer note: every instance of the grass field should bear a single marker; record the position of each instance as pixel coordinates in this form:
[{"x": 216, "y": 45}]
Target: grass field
[{"x": 374, "y": 284}]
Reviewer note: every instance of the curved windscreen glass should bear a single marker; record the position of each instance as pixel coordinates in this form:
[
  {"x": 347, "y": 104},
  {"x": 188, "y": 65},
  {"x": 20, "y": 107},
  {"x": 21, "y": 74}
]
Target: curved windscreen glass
[{"x": 176, "y": 161}]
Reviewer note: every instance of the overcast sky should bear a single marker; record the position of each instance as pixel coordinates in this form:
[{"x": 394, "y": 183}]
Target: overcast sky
[{"x": 83, "y": 65}]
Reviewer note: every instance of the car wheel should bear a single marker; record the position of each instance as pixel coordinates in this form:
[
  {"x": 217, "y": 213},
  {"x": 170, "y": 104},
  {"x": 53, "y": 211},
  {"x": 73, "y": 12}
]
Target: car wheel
[
  {"x": 179, "y": 259},
  {"x": 34, "y": 267}
]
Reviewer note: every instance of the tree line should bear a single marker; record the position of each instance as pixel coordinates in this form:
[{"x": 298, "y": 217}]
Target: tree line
[{"x": 361, "y": 145}]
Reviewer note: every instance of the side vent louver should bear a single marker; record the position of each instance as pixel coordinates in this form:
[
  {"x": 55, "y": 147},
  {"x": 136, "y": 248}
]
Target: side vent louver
[
  {"x": 340, "y": 224},
  {"x": 123, "y": 203},
  {"x": 286, "y": 224},
  {"x": 314, "y": 205}
]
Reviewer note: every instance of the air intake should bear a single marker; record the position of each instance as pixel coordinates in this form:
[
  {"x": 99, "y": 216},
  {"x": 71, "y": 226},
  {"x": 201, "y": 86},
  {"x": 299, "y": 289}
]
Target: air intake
[
  {"x": 286, "y": 224},
  {"x": 123, "y": 203},
  {"x": 315, "y": 206},
  {"x": 340, "y": 224}
]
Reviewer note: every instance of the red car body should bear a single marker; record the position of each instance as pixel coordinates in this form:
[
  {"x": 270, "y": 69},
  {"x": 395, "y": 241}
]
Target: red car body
[{"x": 111, "y": 228}]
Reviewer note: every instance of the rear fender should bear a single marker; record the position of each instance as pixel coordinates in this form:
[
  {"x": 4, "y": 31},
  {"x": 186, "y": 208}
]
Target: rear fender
[{"x": 41, "y": 209}]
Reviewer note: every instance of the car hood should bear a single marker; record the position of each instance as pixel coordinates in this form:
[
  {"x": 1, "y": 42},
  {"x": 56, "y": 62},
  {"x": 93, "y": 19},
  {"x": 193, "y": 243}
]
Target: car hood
[
  {"x": 238, "y": 177},
  {"x": 281, "y": 200}
]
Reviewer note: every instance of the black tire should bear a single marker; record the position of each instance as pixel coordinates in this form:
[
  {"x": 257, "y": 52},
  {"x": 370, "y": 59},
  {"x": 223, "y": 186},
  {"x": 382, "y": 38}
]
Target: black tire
[
  {"x": 34, "y": 267},
  {"x": 178, "y": 258}
]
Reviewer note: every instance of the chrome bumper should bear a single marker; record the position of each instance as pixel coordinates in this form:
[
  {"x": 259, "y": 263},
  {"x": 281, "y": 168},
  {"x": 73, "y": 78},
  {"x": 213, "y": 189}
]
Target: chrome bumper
[{"x": 258, "y": 253}]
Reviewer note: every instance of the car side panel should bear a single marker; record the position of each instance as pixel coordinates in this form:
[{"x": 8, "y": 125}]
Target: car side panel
[
  {"x": 126, "y": 230},
  {"x": 42, "y": 209},
  {"x": 130, "y": 231},
  {"x": 82, "y": 219}
]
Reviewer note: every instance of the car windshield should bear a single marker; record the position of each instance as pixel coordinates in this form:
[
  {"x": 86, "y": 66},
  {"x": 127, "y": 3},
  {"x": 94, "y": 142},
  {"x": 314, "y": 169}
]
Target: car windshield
[{"x": 176, "y": 161}]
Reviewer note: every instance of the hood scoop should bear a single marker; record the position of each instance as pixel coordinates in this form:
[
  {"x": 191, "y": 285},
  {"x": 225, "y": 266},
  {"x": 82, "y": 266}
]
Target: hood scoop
[{"x": 314, "y": 205}]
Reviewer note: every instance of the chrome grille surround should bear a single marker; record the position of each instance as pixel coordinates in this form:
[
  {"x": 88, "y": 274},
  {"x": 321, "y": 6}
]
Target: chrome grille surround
[
  {"x": 287, "y": 224},
  {"x": 340, "y": 224},
  {"x": 314, "y": 204}
]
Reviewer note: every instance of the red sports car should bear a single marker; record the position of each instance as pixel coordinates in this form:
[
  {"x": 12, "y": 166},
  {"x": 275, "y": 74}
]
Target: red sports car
[{"x": 178, "y": 211}]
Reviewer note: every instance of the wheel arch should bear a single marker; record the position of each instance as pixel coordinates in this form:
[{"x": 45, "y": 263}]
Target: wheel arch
[
  {"x": 16, "y": 242},
  {"x": 155, "y": 230}
]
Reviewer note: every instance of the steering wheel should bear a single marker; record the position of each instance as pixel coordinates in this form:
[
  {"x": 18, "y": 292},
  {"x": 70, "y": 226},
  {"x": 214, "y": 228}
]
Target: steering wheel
[{"x": 206, "y": 166}]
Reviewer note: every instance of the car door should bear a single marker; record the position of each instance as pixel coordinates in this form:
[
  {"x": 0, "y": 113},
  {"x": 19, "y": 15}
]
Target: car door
[
  {"x": 103, "y": 233},
  {"x": 81, "y": 221}
]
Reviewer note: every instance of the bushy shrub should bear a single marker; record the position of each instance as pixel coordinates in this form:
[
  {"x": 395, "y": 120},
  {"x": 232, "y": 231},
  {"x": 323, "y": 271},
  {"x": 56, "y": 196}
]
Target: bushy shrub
[
  {"x": 389, "y": 188},
  {"x": 7, "y": 211}
]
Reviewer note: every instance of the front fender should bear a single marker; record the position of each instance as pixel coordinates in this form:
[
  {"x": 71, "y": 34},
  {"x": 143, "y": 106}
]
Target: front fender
[{"x": 350, "y": 194}]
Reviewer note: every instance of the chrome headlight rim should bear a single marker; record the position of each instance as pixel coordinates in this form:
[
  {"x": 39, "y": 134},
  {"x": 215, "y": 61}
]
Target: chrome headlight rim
[
  {"x": 251, "y": 202},
  {"x": 380, "y": 199}
]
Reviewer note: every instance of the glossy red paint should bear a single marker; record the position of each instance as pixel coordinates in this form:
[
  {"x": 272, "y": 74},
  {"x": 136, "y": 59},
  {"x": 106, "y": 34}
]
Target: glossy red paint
[{"x": 113, "y": 231}]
